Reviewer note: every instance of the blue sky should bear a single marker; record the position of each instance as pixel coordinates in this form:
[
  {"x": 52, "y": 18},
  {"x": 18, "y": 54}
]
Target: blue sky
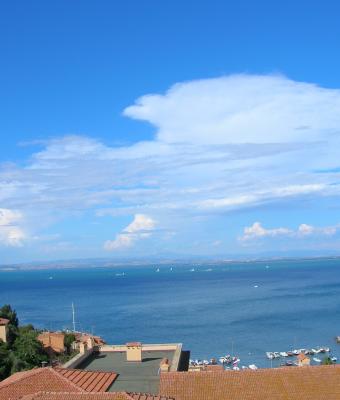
[{"x": 149, "y": 128}]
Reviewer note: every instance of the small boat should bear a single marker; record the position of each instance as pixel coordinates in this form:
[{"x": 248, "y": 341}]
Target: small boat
[
  {"x": 334, "y": 359},
  {"x": 269, "y": 355},
  {"x": 236, "y": 368},
  {"x": 252, "y": 366},
  {"x": 296, "y": 352},
  {"x": 288, "y": 363},
  {"x": 276, "y": 354},
  {"x": 316, "y": 359},
  {"x": 290, "y": 353},
  {"x": 192, "y": 270},
  {"x": 157, "y": 270},
  {"x": 283, "y": 354},
  {"x": 244, "y": 367}
]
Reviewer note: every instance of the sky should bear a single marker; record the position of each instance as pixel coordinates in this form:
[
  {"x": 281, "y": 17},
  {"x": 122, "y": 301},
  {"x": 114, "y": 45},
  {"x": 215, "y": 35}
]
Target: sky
[{"x": 169, "y": 129}]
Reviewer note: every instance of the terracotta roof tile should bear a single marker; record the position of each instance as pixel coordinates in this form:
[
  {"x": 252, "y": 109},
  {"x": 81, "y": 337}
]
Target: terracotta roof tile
[
  {"x": 312, "y": 383},
  {"x": 77, "y": 396},
  {"x": 55, "y": 380},
  {"x": 90, "y": 381},
  {"x": 39, "y": 379},
  {"x": 4, "y": 321},
  {"x": 91, "y": 396}
]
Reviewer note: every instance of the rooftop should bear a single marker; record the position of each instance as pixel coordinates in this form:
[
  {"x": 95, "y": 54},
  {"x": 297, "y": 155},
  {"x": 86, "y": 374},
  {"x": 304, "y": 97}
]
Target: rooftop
[
  {"x": 55, "y": 380},
  {"x": 132, "y": 376},
  {"x": 312, "y": 383},
  {"x": 4, "y": 321},
  {"x": 91, "y": 396}
]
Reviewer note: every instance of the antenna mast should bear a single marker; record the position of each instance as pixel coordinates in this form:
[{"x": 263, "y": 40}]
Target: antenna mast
[{"x": 73, "y": 318}]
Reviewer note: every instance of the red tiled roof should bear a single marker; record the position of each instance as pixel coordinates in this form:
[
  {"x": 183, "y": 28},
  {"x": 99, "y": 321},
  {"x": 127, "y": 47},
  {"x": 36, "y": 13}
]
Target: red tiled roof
[
  {"x": 92, "y": 396},
  {"x": 4, "y": 321},
  {"x": 298, "y": 383},
  {"x": 35, "y": 380},
  {"x": 77, "y": 396},
  {"x": 55, "y": 380},
  {"x": 90, "y": 381}
]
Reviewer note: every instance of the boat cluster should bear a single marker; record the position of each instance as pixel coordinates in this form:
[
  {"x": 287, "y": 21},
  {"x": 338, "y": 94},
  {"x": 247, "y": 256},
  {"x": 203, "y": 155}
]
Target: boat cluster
[
  {"x": 276, "y": 354},
  {"x": 199, "y": 363},
  {"x": 230, "y": 362},
  {"x": 228, "y": 359}
]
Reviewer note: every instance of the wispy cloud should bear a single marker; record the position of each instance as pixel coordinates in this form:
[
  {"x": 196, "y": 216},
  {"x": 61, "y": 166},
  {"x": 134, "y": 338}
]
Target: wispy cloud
[
  {"x": 257, "y": 231},
  {"x": 11, "y": 234},
  {"x": 140, "y": 228},
  {"x": 220, "y": 145}
]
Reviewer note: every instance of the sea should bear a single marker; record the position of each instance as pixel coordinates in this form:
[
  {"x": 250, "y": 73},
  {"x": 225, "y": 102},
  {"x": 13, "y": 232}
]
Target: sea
[{"x": 240, "y": 308}]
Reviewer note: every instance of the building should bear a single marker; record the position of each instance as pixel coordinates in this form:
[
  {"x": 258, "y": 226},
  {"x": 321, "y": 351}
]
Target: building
[
  {"x": 53, "y": 342},
  {"x": 289, "y": 383},
  {"x": 137, "y": 365},
  {"x": 64, "y": 384},
  {"x": 4, "y": 329},
  {"x": 86, "y": 341},
  {"x": 302, "y": 360}
]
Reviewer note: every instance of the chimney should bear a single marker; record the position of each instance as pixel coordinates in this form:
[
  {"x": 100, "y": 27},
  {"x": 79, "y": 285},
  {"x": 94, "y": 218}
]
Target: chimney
[{"x": 134, "y": 351}]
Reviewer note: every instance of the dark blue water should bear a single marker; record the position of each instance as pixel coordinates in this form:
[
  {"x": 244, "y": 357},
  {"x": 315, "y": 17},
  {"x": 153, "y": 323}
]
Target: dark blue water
[{"x": 213, "y": 310}]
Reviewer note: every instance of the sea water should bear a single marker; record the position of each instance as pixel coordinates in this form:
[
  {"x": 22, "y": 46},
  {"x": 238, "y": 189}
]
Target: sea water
[{"x": 243, "y": 309}]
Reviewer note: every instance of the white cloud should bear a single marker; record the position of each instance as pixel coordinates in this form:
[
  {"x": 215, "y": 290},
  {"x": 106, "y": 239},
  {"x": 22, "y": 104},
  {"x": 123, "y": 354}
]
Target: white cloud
[
  {"x": 140, "y": 228},
  {"x": 10, "y": 233},
  {"x": 306, "y": 230},
  {"x": 241, "y": 109},
  {"x": 257, "y": 231},
  {"x": 141, "y": 224},
  {"x": 220, "y": 145}
]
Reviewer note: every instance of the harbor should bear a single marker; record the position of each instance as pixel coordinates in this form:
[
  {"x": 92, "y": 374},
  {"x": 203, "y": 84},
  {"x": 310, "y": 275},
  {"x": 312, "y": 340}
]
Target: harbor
[{"x": 290, "y": 358}]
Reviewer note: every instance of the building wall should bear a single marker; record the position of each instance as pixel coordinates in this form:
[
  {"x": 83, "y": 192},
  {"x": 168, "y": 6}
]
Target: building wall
[
  {"x": 3, "y": 333},
  {"x": 53, "y": 340}
]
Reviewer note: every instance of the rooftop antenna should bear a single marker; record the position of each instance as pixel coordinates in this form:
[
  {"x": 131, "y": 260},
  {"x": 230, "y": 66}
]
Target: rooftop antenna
[{"x": 73, "y": 318}]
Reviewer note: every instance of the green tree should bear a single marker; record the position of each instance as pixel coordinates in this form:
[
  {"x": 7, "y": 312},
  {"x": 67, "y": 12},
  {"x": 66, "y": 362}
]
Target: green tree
[
  {"x": 327, "y": 361},
  {"x": 26, "y": 328},
  {"x": 69, "y": 338},
  {"x": 5, "y": 361},
  {"x": 6, "y": 311},
  {"x": 29, "y": 350}
]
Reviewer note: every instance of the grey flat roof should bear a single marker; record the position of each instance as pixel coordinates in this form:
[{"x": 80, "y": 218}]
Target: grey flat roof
[{"x": 133, "y": 376}]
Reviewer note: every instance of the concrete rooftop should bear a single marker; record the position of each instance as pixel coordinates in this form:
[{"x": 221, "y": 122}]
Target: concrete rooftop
[{"x": 132, "y": 376}]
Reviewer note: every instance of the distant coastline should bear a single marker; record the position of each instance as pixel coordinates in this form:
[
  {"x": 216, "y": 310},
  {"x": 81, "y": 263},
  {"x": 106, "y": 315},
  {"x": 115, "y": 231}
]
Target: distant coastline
[{"x": 107, "y": 263}]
